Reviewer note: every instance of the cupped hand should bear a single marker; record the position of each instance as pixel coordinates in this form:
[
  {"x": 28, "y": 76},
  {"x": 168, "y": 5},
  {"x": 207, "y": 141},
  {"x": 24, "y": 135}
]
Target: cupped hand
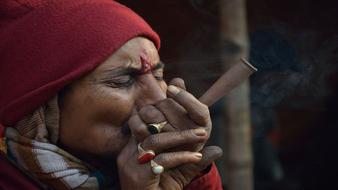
[
  {"x": 183, "y": 112},
  {"x": 180, "y": 166}
]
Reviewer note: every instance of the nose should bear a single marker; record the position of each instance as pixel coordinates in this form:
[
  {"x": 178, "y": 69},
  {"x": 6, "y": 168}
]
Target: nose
[{"x": 151, "y": 91}]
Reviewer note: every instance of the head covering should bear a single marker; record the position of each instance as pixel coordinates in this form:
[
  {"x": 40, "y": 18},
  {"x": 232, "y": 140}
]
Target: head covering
[{"x": 46, "y": 44}]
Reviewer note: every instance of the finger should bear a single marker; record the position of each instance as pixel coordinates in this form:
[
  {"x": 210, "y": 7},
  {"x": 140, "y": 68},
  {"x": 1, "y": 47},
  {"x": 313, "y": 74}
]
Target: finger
[
  {"x": 210, "y": 154},
  {"x": 176, "y": 114},
  {"x": 138, "y": 128},
  {"x": 164, "y": 141},
  {"x": 132, "y": 174},
  {"x": 197, "y": 111},
  {"x": 171, "y": 160},
  {"x": 151, "y": 115},
  {"x": 127, "y": 152},
  {"x": 178, "y": 82}
]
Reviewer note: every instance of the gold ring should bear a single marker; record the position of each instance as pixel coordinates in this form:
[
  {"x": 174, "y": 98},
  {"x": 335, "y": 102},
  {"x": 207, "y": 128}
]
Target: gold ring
[
  {"x": 155, "y": 128},
  {"x": 156, "y": 168}
]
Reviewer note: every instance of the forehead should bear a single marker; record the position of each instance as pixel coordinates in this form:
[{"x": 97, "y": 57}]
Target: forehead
[{"x": 129, "y": 55}]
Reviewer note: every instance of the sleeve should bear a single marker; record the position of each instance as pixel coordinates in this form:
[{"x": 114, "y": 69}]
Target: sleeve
[{"x": 208, "y": 181}]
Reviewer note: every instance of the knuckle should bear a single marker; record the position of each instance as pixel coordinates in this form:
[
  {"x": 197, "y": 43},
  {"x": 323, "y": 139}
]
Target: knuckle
[
  {"x": 131, "y": 121},
  {"x": 166, "y": 102},
  {"x": 163, "y": 158},
  {"x": 145, "y": 108},
  {"x": 148, "y": 112},
  {"x": 151, "y": 141},
  {"x": 178, "y": 82},
  {"x": 134, "y": 125},
  {"x": 203, "y": 116},
  {"x": 187, "y": 134},
  {"x": 138, "y": 131},
  {"x": 204, "y": 107}
]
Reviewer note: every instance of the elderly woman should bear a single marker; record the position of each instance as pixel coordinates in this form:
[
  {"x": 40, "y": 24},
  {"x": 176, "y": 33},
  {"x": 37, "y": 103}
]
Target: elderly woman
[{"x": 84, "y": 104}]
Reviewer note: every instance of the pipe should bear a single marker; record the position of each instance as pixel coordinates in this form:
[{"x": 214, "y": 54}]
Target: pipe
[{"x": 234, "y": 76}]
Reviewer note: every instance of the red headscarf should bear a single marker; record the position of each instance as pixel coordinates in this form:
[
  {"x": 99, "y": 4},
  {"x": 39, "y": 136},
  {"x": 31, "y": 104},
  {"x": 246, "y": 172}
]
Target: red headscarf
[{"x": 46, "y": 44}]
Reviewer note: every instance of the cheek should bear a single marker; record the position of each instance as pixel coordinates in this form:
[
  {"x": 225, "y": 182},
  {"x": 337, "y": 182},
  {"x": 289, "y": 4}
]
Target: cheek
[
  {"x": 91, "y": 121},
  {"x": 114, "y": 109},
  {"x": 111, "y": 105}
]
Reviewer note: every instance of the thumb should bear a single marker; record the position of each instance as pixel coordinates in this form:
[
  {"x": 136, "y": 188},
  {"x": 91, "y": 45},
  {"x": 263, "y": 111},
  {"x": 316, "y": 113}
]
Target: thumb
[
  {"x": 210, "y": 154},
  {"x": 178, "y": 82},
  {"x": 190, "y": 171}
]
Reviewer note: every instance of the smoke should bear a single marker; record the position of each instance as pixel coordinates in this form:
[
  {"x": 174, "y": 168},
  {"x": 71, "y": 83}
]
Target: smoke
[
  {"x": 295, "y": 65},
  {"x": 321, "y": 57}
]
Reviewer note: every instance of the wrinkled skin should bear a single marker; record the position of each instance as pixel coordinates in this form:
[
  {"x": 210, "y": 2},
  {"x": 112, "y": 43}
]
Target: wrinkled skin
[{"x": 118, "y": 92}]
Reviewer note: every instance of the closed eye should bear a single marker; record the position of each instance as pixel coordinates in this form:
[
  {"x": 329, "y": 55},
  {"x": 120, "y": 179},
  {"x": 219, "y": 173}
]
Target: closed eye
[{"x": 121, "y": 77}]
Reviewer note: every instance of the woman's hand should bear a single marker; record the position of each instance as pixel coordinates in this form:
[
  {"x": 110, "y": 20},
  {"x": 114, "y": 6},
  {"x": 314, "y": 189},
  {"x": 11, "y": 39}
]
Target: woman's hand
[
  {"x": 180, "y": 166},
  {"x": 181, "y": 110},
  {"x": 181, "y": 176}
]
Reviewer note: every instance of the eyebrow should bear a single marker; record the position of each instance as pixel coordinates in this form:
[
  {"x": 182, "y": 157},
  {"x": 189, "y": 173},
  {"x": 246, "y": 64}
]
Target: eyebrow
[{"x": 128, "y": 70}]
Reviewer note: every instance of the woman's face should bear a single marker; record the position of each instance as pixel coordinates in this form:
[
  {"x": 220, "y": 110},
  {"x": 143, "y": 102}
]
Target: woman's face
[{"x": 94, "y": 108}]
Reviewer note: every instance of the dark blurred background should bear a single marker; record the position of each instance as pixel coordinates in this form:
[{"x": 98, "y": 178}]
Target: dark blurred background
[{"x": 293, "y": 98}]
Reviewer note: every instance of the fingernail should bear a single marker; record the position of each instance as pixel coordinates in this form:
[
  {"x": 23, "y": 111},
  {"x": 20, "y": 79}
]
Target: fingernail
[
  {"x": 173, "y": 89},
  {"x": 198, "y": 155},
  {"x": 200, "y": 132}
]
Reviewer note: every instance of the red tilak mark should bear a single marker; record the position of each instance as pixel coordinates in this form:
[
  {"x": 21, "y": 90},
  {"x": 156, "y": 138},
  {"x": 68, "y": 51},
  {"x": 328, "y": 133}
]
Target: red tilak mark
[{"x": 146, "y": 66}]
